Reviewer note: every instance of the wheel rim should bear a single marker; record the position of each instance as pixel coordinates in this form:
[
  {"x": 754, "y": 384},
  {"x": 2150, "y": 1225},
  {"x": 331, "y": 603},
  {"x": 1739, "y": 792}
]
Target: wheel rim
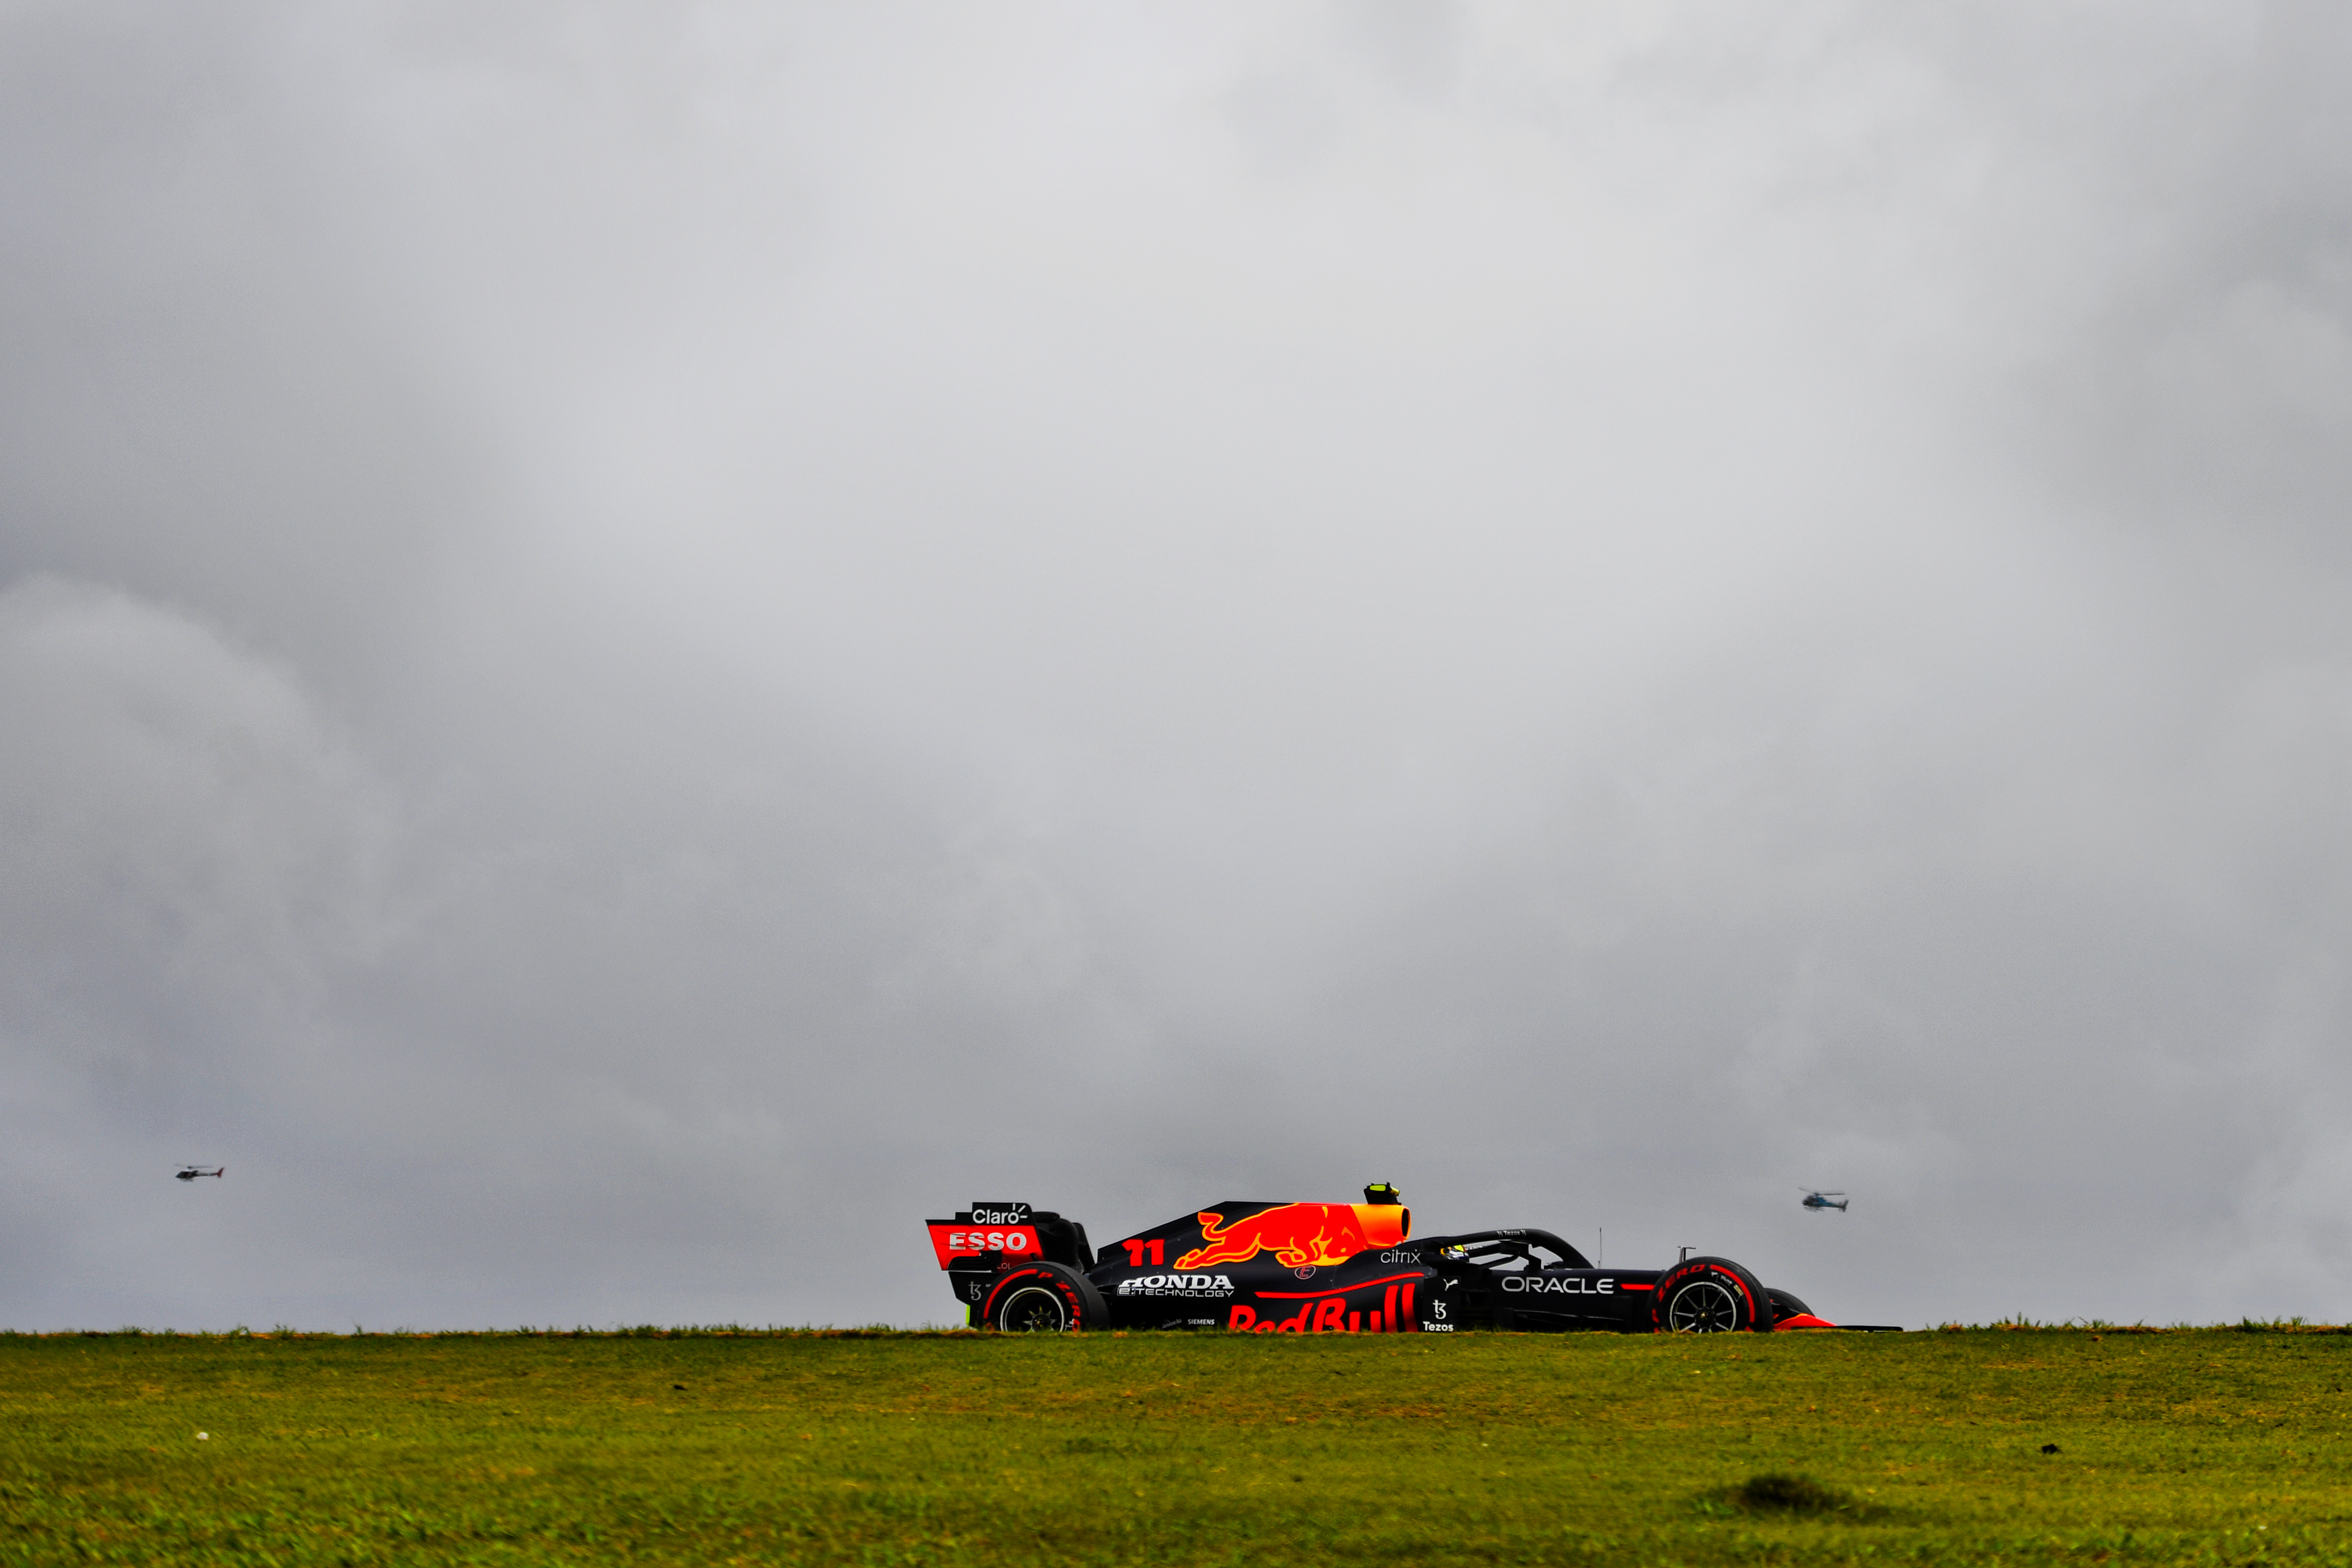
[
  {"x": 1033, "y": 1310},
  {"x": 1703, "y": 1307}
]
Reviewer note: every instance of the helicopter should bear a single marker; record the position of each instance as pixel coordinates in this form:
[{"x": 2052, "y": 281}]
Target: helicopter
[
  {"x": 1821, "y": 1200},
  {"x": 190, "y": 1172}
]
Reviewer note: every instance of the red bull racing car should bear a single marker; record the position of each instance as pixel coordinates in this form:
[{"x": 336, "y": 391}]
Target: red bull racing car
[{"x": 1323, "y": 1269}]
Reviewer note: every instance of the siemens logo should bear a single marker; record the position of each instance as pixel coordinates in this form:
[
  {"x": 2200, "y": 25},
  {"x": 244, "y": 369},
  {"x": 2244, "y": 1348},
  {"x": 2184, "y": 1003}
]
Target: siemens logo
[{"x": 1558, "y": 1285}]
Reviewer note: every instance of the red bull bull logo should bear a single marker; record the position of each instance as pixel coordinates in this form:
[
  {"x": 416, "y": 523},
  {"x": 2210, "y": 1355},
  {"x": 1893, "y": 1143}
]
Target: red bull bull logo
[{"x": 1300, "y": 1236}]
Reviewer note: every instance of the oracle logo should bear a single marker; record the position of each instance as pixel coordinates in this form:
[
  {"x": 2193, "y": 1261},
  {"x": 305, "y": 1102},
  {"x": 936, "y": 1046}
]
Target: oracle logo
[{"x": 1558, "y": 1285}]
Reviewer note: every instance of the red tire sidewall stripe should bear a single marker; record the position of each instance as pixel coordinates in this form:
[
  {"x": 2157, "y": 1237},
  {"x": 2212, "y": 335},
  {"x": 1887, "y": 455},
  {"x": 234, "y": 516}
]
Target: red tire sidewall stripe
[
  {"x": 1071, "y": 1299},
  {"x": 1675, "y": 1279}
]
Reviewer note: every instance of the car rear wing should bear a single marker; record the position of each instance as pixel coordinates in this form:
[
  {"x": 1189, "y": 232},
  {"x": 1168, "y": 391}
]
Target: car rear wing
[{"x": 973, "y": 1243}]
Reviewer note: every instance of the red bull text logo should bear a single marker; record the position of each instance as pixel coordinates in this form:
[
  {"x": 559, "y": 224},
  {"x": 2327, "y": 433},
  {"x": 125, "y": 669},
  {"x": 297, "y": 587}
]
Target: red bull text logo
[
  {"x": 1300, "y": 1236},
  {"x": 1321, "y": 1313}
]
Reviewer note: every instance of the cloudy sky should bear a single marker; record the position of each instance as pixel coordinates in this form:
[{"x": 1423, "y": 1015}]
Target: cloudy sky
[{"x": 641, "y": 643}]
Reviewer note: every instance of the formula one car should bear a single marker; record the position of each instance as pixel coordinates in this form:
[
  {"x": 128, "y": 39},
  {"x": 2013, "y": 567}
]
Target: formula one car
[{"x": 1321, "y": 1268}]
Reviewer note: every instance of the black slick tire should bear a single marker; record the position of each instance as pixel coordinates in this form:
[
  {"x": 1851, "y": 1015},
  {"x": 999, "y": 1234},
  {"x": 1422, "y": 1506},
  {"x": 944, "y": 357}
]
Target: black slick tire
[
  {"x": 1710, "y": 1296},
  {"x": 1784, "y": 1305},
  {"x": 1042, "y": 1298}
]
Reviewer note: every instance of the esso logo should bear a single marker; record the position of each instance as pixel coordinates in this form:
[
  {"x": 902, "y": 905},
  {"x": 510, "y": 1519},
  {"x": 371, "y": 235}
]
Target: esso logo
[
  {"x": 991, "y": 1241},
  {"x": 952, "y": 1239}
]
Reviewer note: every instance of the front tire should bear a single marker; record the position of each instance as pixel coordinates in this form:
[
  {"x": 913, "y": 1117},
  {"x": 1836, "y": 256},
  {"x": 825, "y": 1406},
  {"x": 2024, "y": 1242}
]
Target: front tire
[
  {"x": 1710, "y": 1296},
  {"x": 1044, "y": 1297}
]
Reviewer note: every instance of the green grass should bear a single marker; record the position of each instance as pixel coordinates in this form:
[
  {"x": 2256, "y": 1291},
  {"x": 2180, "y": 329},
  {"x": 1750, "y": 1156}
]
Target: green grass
[{"x": 2211, "y": 1445}]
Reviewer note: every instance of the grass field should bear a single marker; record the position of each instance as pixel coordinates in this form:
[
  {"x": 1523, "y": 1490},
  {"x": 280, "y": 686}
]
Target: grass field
[{"x": 2185, "y": 1446}]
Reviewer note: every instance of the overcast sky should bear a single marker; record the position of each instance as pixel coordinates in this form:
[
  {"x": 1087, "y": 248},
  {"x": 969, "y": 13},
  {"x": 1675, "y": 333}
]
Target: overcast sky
[{"x": 640, "y": 645}]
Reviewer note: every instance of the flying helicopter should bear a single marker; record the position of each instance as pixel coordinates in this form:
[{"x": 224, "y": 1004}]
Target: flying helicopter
[
  {"x": 1821, "y": 1200},
  {"x": 190, "y": 1172}
]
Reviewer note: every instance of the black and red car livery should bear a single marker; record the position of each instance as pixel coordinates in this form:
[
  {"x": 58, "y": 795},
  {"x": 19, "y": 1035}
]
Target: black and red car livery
[{"x": 1320, "y": 1269}]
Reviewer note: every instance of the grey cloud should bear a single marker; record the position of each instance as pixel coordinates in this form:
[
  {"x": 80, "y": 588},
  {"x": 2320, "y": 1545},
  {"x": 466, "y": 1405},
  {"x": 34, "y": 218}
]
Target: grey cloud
[{"x": 645, "y": 648}]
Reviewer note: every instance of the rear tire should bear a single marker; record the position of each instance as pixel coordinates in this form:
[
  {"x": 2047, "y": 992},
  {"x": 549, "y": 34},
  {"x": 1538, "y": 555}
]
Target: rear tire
[
  {"x": 1710, "y": 1296},
  {"x": 1044, "y": 1297}
]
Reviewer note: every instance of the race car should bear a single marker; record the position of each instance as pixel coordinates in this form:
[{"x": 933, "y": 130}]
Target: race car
[{"x": 1323, "y": 1269}]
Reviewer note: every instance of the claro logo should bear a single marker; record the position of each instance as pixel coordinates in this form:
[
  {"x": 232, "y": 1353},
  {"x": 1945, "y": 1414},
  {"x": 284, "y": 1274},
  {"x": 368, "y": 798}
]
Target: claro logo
[{"x": 1558, "y": 1285}]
